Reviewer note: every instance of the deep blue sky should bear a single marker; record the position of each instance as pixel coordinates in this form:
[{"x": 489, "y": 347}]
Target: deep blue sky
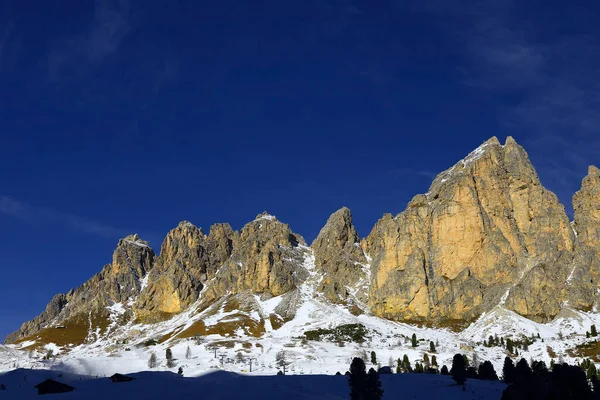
[{"x": 120, "y": 117}]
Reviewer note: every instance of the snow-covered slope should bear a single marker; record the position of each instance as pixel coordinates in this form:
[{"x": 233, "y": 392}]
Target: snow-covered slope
[
  {"x": 247, "y": 334},
  {"x": 224, "y": 385}
]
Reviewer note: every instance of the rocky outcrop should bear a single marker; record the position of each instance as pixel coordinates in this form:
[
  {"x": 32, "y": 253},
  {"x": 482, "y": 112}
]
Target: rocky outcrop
[
  {"x": 340, "y": 259},
  {"x": 188, "y": 258},
  {"x": 585, "y": 276},
  {"x": 267, "y": 260},
  {"x": 176, "y": 280},
  {"x": 486, "y": 233},
  {"x": 118, "y": 282}
]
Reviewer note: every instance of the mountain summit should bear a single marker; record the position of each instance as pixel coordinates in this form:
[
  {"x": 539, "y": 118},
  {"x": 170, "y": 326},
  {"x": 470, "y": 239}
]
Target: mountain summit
[{"x": 487, "y": 234}]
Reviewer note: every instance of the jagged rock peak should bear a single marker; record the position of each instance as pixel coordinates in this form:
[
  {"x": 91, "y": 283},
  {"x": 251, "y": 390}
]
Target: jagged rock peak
[
  {"x": 339, "y": 256},
  {"x": 593, "y": 170},
  {"x": 133, "y": 239},
  {"x": 485, "y": 225},
  {"x": 339, "y": 227},
  {"x": 265, "y": 216}
]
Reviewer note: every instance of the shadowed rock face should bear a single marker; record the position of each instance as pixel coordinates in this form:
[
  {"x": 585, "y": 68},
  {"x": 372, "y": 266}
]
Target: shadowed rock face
[
  {"x": 340, "y": 259},
  {"x": 585, "y": 276},
  {"x": 486, "y": 233},
  {"x": 118, "y": 282}
]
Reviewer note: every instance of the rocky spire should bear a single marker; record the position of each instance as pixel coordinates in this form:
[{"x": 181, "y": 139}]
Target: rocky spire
[
  {"x": 339, "y": 257},
  {"x": 266, "y": 259},
  {"x": 176, "y": 280}
]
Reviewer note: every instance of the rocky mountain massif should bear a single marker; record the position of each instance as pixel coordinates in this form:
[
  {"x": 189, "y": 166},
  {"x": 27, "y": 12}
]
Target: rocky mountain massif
[{"x": 486, "y": 234}]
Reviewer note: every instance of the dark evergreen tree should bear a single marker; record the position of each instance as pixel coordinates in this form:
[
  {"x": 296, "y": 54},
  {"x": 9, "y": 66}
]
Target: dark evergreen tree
[
  {"x": 539, "y": 369},
  {"x": 432, "y": 347},
  {"x": 399, "y": 367},
  {"x": 502, "y": 341},
  {"x": 413, "y": 340},
  {"x": 357, "y": 379},
  {"x": 459, "y": 369},
  {"x": 491, "y": 341},
  {"x": 419, "y": 369},
  {"x": 180, "y": 371},
  {"x": 591, "y": 371},
  {"x": 568, "y": 382},
  {"x": 508, "y": 370},
  {"x": 509, "y": 345},
  {"x": 444, "y": 370},
  {"x": 587, "y": 334},
  {"x": 169, "y": 354},
  {"x": 373, "y": 386},
  {"x": 406, "y": 364},
  {"x": 523, "y": 371},
  {"x": 593, "y": 331},
  {"x": 426, "y": 362},
  {"x": 466, "y": 360},
  {"x": 487, "y": 372},
  {"x": 434, "y": 361},
  {"x": 373, "y": 358},
  {"x": 472, "y": 373}
]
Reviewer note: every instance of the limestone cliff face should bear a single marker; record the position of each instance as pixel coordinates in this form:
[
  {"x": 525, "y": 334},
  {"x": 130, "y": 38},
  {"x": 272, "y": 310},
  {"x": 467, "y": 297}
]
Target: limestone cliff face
[
  {"x": 266, "y": 260},
  {"x": 187, "y": 259},
  {"x": 118, "y": 282},
  {"x": 340, "y": 259},
  {"x": 585, "y": 276},
  {"x": 486, "y": 233}
]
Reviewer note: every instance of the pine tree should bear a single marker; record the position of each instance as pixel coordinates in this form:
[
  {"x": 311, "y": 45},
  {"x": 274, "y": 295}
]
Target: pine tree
[
  {"x": 406, "y": 364},
  {"x": 399, "y": 366},
  {"x": 487, "y": 372},
  {"x": 432, "y": 347},
  {"x": 373, "y": 358},
  {"x": 426, "y": 362},
  {"x": 419, "y": 367},
  {"x": 414, "y": 340},
  {"x": 188, "y": 352},
  {"x": 373, "y": 386},
  {"x": 502, "y": 341},
  {"x": 444, "y": 370},
  {"x": 466, "y": 360},
  {"x": 593, "y": 331},
  {"x": 434, "y": 361},
  {"x": 357, "y": 379},
  {"x": 587, "y": 334},
  {"x": 152, "y": 361},
  {"x": 591, "y": 371},
  {"x": 508, "y": 370},
  {"x": 491, "y": 341},
  {"x": 509, "y": 345},
  {"x": 459, "y": 370},
  {"x": 169, "y": 357},
  {"x": 180, "y": 371}
]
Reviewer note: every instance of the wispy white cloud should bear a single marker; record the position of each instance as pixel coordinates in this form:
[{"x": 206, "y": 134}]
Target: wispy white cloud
[
  {"x": 76, "y": 56},
  {"x": 37, "y": 215}
]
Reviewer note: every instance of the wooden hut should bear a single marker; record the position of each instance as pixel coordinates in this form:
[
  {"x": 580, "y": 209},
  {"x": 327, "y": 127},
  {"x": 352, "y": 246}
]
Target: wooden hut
[
  {"x": 51, "y": 386},
  {"x": 120, "y": 378}
]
